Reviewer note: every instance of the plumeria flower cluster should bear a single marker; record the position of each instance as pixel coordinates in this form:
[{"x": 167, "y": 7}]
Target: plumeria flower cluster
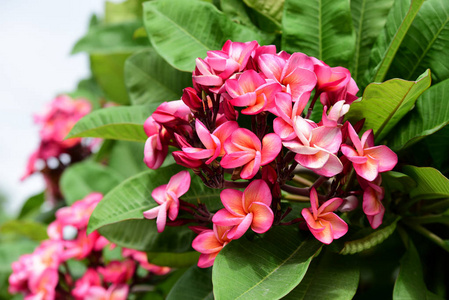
[
  {"x": 55, "y": 152},
  {"x": 247, "y": 124},
  {"x": 45, "y": 273}
]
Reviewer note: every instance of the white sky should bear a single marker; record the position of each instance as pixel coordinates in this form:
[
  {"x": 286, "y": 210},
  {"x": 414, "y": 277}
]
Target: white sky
[{"x": 36, "y": 38}]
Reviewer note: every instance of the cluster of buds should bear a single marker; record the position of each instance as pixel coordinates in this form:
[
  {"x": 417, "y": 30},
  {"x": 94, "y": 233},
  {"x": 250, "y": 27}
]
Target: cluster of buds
[
  {"x": 54, "y": 152},
  {"x": 45, "y": 274},
  {"x": 246, "y": 123}
]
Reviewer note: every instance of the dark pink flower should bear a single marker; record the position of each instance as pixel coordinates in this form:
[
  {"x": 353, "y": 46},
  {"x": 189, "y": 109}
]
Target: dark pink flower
[{"x": 209, "y": 243}]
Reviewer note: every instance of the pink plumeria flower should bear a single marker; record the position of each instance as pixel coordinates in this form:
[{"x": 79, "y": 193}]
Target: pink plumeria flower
[
  {"x": 373, "y": 194},
  {"x": 117, "y": 272},
  {"x": 243, "y": 148},
  {"x": 315, "y": 147},
  {"x": 251, "y": 90},
  {"x": 191, "y": 99},
  {"x": 114, "y": 292},
  {"x": 156, "y": 146},
  {"x": 209, "y": 243},
  {"x": 44, "y": 287},
  {"x": 212, "y": 141},
  {"x": 325, "y": 225},
  {"x": 294, "y": 73},
  {"x": 167, "y": 195},
  {"x": 286, "y": 111},
  {"x": 250, "y": 208},
  {"x": 332, "y": 118},
  {"x": 89, "y": 279},
  {"x": 368, "y": 160},
  {"x": 142, "y": 259}
]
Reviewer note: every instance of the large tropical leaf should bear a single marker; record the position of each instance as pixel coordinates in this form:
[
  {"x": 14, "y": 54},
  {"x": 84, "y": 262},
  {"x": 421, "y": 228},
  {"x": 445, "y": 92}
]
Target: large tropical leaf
[
  {"x": 383, "y": 105},
  {"x": 330, "y": 276},
  {"x": 264, "y": 268},
  {"x": 150, "y": 79},
  {"x": 319, "y": 28},
  {"x": 182, "y": 30},
  {"x": 272, "y": 9},
  {"x": 368, "y": 19},
  {"x": 425, "y": 45},
  {"x": 129, "y": 10},
  {"x": 398, "y": 22},
  {"x": 431, "y": 184},
  {"x": 430, "y": 115},
  {"x": 117, "y": 123},
  {"x": 86, "y": 177},
  {"x": 195, "y": 284}
]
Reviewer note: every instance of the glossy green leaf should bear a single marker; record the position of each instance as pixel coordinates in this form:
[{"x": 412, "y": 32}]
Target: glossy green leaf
[
  {"x": 330, "y": 276},
  {"x": 383, "y": 105},
  {"x": 424, "y": 46},
  {"x": 86, "y": 177},
  {"x": 182, "y": 30},
  {"x": 173, "y": 260},
  {"x": 396, "y": 181},
  {"x": 319, "y": 28},
  {"x": 127, "y": 158},
  {"x": 431, "y": 184},
  {"x": 30, "y": 229},
  {"x": 195, "y": 284},
  {"x": 430, "y": 115},
  {"x": 141, "y": 234},
  {"x": 368, "y": 19},
  {"x": 150, "y": 79},
  {"x": 137, "y": 192},
  {"x": 32, "y": 206},
  {"x": 128, "y": 10},
  {"x": 438, "y": 145},
  {"x": 272, "y": 9},
  {"x": 410, "y": 282},
  {"x": 398, "y": 23},
  {"x": 118, "y": 123},
  {"x": 264, "y": 268}
]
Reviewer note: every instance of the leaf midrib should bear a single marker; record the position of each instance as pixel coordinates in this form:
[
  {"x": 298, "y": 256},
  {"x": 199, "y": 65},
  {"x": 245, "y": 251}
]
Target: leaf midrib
[{"x": 359, "y": 40}]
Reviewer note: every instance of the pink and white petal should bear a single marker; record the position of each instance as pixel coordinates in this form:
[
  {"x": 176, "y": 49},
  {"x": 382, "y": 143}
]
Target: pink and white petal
[
  {"x": 367, "y": 139},
  {"x": 338, "y": 226},
  {"x": 332, "y": 167},
  {"x": 208, "y": 80},
  {"x": 224, "y": 131},
  {"x": 248, "y": 99},
  {"x": 330, "y": 205},
  {"x": 300, "y": 81},
  {"x": 250, "y": 80},
  {"x": 314, "y": 202},
  {"x": 355, "y": 139},
  {"x": 262, "y": 217},
  {"x": 161, "y": 217},
  {"x": 237, "y": 159},
  {"x": 271, "y": 146},
  {"x": 371, "y": 203},
  {"x": 206, "y": 242},
  {"x": 303, "y": 129},
  {"x": 173, "y": 209},
  {"x": 159, "y": 194},
  {"x": 233, "y": 88},
  {"x": 368, "y": 170},
  {"x": 207, "y": 260},
  {"x": 385, "y": 156},
  {"x": 328, "y": 138},
  {"x": 310, "y": 220},
  {"x": 179, "y": 183},
  {"x": 224, "y": 217},
  {"x": 204, "y": 135},
  {"x": 239, "y": 230},
  {"x": 283, "y": 129},
  {"x": 245, "y": 140},
  {"x": 197, "y": 153},
  {"x": 257, "y": 191},
  {"x": 271, "y": 66},
  {"x": 257, "y": 107},
  {"x": 325, "y": 235},
  {"x": 300, "y": 60},
  {"x": 284, "y": 103},
  {"x": 376, "y": 220},
  {"x": 233, "y": 201},
  {"x": 304, "y": 150},
  {"x": 315, "y": 161},
  {"x": 251, "y": 168},
  {"x": 352, "y": 155}
]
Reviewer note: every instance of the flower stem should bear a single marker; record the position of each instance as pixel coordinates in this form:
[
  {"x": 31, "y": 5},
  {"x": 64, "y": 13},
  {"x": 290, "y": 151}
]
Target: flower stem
[
  {"x": 235, "y": 184},
  {"x": 296, "y": 198},
  {"x": 430, "y": 235},
  {"x": 302, "y": 180}
]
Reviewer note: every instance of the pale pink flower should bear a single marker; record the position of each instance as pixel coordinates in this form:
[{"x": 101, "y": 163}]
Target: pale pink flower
[
  {"x": 251, "y": 90},
  {"x": 368, "y": 160},
  {"x": 167, "y": 195},
  {"x": 331, "y": 118},
  {"x": 209, "y": 243},
  {"x": 286, "y": 111},
  {"x": 250, "y": 208},
  {"x": 294, "y": 73},
  {"x": 114, "y": 292},
  {"x": 322, "y": 222},
  {"x": 315, "y": 147},
  {"x": 243, "y": 148},
  {"x": 212, "y": 141},
  {"x": 45, "y": 285},
  {"x": 156, "y": 146}
]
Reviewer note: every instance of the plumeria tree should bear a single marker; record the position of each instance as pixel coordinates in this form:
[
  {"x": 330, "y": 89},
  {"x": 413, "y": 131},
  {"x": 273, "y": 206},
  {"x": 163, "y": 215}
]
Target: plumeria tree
[{"x": 252, "y": 149}]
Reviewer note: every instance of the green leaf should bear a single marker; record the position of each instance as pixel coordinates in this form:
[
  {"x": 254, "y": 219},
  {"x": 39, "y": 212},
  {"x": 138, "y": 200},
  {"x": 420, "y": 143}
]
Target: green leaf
[
  {"x": 195, "y": 284},
  {"x": 137, "y": 192},
  {"x": 330, "y": 276},
  {"x": 32, "y": 206},
  {"x": 272, "y": 9},
  {"x": 398, "y": 22},
  {"x": 33, "y": 230},
  {"x": 11, "y": 251},
  {"x": 431, "y": 184},
  {"x": 438, "y": 145},
  {"x": 118, "y": 123},
  {"x": 395, "y": 181},
  {"x": 90, "y": 90},
  {"x": 129, "y": 10},
  {"x": 182, "y": 30},
  {"x": 127, "y": 158},
  {"x": 141, "y": 234},
  {"x": 319, "y": 28},
  {"x": 423, "y": 46},
  {"x": 410, "y": 282},
  {"x": 86, "y": 177},
  {"x": 265, "y": 268},
  {"x": 430, "y": 115},
  {"x": 384, "y": 104},
  {"x": 173, "y": 260},
  {"x": 150, "y": 79},
  {"x": 368, "y": 18}
]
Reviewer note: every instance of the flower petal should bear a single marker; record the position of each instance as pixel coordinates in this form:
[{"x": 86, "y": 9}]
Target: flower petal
[
  {"x": 224, "y": 217},
  {"x": 239, "y": 230},
  {"x": 257, "y": 191},
  {"x": 386, "y": 157},
  {"x": 206, "y": 242},
  {"x": 271, "y": 146},
  {"x": 233, "y": 201},
  {"x": 262, "y": 217}
]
